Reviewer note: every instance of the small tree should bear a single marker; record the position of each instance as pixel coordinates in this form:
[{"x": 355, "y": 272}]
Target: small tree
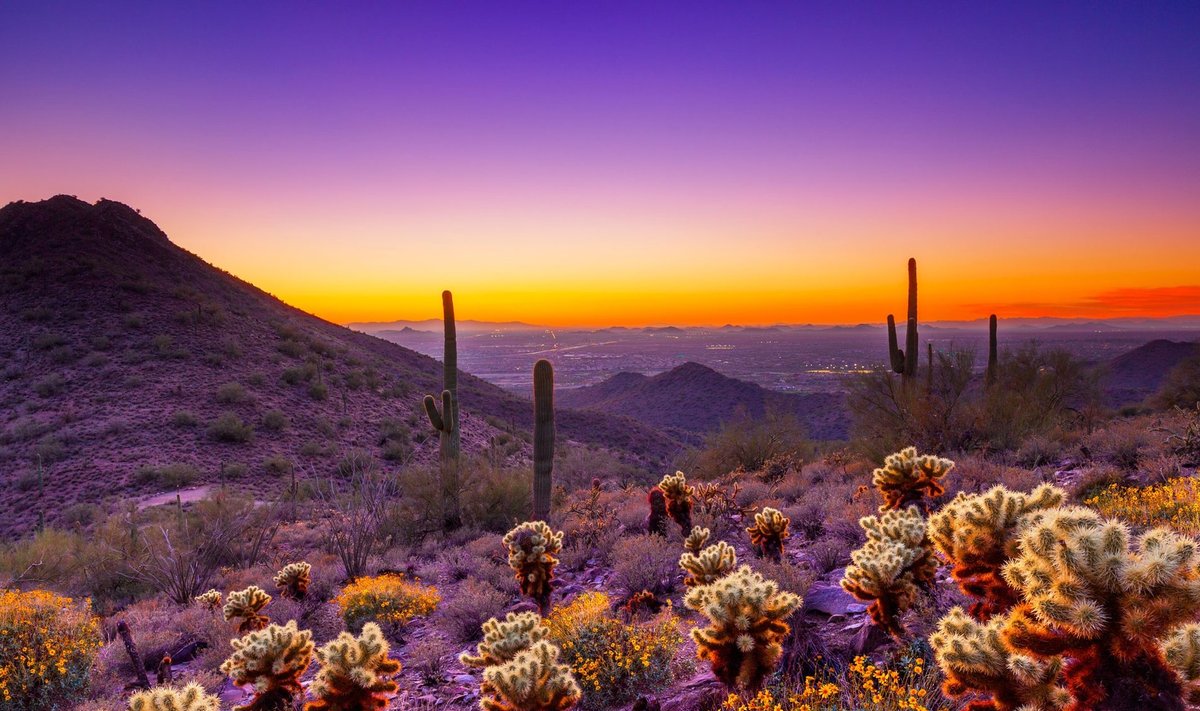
[{"x": 358, "y": 509}]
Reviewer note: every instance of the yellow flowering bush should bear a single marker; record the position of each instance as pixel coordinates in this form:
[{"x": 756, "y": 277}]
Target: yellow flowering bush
[
  {"x": 910, "y": 685},
  {"x": 389, "y": 600},
  {"x": 613, "y": 661},
  {"x": 1175, "y": 503},
  {"x": 47, "y": 644}
]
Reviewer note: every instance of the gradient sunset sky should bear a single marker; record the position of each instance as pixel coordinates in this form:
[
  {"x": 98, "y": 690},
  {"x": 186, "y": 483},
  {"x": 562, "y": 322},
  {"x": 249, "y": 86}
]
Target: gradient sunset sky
[{"x": 599, "y": 163}]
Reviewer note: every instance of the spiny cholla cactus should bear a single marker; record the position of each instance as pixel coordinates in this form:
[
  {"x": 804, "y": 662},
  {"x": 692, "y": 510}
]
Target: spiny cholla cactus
[
  {"x": 696, "y": 540},
  {"x": 356, "y": 674},
  {"x": 531, "y": 681},
  {"x": 978, "y": 533},
  {"x": 271, "y": 662},
  {"x": 893, "y": 566},
  {"x": 768, "y": 533},
  {"x": 709, "y": 566},
  {"x": 531, "y": 549},
  {"x": 1182, "y": 652},
  {"x": 246, "y": 605},
  {"x": 210, "y": 600},
  {"x": 906, "y": 478},
  {"x": 505, "y": 639},
  {"x": 293, "y": 580},
  {"x": 679, "y": 499},
  {"x": 192, "y": 697},
  {"x": 747, "y": 616},
  {"x": 1093, "y": 593},
  {"x": 656, "y": 520},
  {"x": 974, "y": 656}
]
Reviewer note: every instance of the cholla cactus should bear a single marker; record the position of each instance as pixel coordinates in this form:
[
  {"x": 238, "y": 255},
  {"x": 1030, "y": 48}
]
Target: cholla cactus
[
  {"x": 709, "y": 566},
  {"x": 355, "y": 674},
  {"x": 531, "y": 681},
  {"x": 192, "y": 697},
  {"x": 656, "y": 520},
  {"x": 1182, "y": 652},
  {"x": 906, "y": 478},
  {"x": 696, "y": 540},
  {"x": 978, "y": 533},
  {"x": 531, "y": 549},
  {"x": 747, "y": 616},
  {"x": 271, "y": 661},
  {"x": 893, "y": 566},
  {"x": 505, "y": 639},
  {"x": 768, "y": 533},
  {"x": 293, "y": 580},
  {"x": 210, "y": 600},
  {"x": 246, "y": 605},
  {"x": 974, "y": 657},
  {"x": 679, "y": 499}
]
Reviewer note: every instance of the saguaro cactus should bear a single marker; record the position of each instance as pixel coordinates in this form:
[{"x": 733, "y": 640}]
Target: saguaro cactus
[
  {"x": 904, "y": 361},
  {"x": 543, "y": 438},
  {"x": 446, "y": 422},
  {"x": 991, "y": 366}
]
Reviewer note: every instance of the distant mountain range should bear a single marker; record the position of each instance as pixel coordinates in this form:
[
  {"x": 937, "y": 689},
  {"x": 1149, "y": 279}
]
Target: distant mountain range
[
  {"x": 691, "y": 400},
  {"x": 1048, "y": 324}
]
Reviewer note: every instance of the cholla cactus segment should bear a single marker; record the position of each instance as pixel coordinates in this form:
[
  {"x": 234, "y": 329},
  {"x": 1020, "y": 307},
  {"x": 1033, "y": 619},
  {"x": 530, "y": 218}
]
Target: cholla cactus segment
[
  {"x": 355, "y": 673},
  {"x": 246, "y": 605},
  {"x": 1182, "y": 652},
  {"x": 270, "y": 661},
  {"x": 293, "y": 580},
  {"x": 531, "y": 549},
  {"x": 656, "y": 520},
  {"x": 710, "y": 565},
  {"x": 978, "y": 533},
  {"x": 892, "y": 567},
  {"x": 908, "y": 478},
  {"x": 192, "y": 697},
  {"x": 505, "y": 639},
  {"x": 679, "y": 499},
  {"x": 533, "y": 680},
  {"x": 974, "y": 657},
  {"x": 768, "y": 533},
  {"x": 210, "y": 600},
  {"x": 747, "y": 615},
  {"x": 696, "y": 540}
]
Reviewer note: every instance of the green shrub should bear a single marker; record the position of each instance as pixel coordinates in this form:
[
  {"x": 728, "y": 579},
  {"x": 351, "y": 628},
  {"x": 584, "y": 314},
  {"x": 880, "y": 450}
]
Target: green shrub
[
  {"x": 278, "y": 464},
  {"x": 50, "y": 385},
  {"x": 232, "y": 394},
  {"x": 228, "y": 427},
  {"x": 171, "y": 476},
  {"x": 317, "y": 390},
  {"x": 183, "y": 418},
  {"x": 275, "y": 421}
]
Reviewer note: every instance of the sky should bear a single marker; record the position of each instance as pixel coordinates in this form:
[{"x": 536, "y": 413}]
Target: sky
[{"x": 633, "y": 163}]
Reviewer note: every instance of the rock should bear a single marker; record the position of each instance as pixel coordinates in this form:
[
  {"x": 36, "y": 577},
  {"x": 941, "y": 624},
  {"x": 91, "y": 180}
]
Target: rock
[
  {"x": 465, "y": 680},
  {"x": 856, "y": 608},
  {"x": 829, "y": 600},
  {"x": 868, "y": 638}
]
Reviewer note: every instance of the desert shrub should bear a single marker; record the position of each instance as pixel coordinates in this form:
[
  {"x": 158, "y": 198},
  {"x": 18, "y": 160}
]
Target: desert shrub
[
  {"x": 228, "y": 427},
  {"x": 748, "y": 444},
  {"x": 494, "y": 499},
  {"x": 47, "y": 341},
  {"x": 50, "y": 557},
  {"x": 79, "y": 515},
  {"x": 828, "y": 554},
  {"x": 314, "y": 449},
  {"x": 1095, "y": 479},
  {"x": 278, "y": 464},
  {"x": 171, "y": 476},
  {"x": 183, "y": 418},
  {"x": 231, "y": 394},
  {"x": 159, "y": 628},
  {"x": 646, "y": 562},
  {"x": 50, "y": 385},
  {"x": 461, "y": 615},
  {"x": 791, "y": 578},
  {"x": 1121, "y": 444},
  {"x": 973, "y": 474},
  {"x": 317, "y": 390},
  {"x": 275, "y": 421},
  {"x": 50, "y": 449},
  {"x": 808, "y": 520},
  {"x": 47, "y": 644},
  {"x": 390, "y": 600},
  {"x": 430, "y": 658},
  {"x": 613, "y": 661},
  {"x": 1037, "y": 391},
  {"x": 1181, "y": 387},
  {"x": 1039, "y": 450}
]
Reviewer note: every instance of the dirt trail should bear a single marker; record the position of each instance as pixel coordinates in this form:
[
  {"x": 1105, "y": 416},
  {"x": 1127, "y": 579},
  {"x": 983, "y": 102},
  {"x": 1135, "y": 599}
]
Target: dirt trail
[{"x": 187, "y": 496}]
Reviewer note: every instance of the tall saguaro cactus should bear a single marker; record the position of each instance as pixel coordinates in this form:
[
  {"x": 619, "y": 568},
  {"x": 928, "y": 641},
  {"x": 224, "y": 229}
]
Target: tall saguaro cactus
[
  {"x": 446, "y": 422},
  {"x": 543, "y": 438},
  {"x": 904, "y": 361},
  {"x": 991, "y": 366}
]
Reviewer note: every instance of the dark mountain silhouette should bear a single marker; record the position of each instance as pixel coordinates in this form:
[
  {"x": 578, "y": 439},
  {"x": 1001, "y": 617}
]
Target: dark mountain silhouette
[
  {"x": 119, "y": 350},
  {"x": 1133, "y": 376},
  {"x": 693, "y": 399}
]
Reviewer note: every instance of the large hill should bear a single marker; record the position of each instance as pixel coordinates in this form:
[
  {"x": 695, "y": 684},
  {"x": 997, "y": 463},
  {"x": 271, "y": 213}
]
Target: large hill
[
  {"x": 693, "y": 399},
  {"x": 1135, "y": 375},
  {"x": 120, "y": 353}
]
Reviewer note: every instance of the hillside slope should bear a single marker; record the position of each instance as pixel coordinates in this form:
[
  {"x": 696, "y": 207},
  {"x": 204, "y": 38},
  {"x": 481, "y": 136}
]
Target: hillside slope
[
  {"x": 693, "y": 399},
  {"x": 1133, "y": 376},
  {"x": 119, "y": 351}
]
